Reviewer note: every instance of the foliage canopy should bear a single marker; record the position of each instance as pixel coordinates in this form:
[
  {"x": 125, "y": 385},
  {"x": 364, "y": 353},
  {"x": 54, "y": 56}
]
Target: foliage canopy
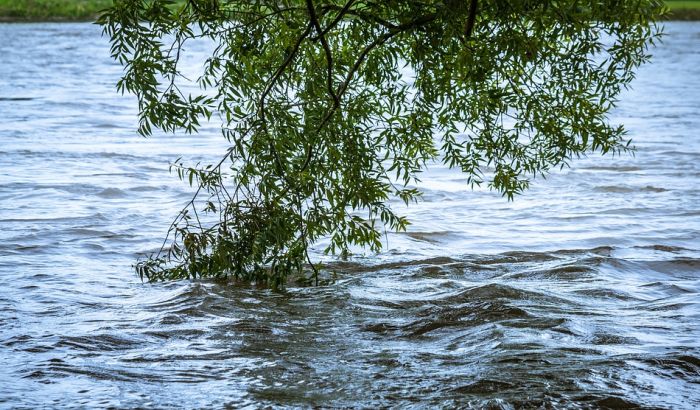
[{"x": 333, "y": 108}]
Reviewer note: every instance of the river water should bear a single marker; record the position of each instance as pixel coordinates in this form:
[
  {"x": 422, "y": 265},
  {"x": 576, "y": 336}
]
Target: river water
[{"x": 583, "y": 292}]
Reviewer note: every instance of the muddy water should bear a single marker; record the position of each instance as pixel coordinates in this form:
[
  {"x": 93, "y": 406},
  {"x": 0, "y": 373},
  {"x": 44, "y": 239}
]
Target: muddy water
[{"x": 583, "y": 292}]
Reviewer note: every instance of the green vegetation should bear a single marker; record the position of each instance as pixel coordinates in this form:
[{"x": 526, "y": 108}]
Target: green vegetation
[
  {"x": 34, "y": 10},
  {"x": 684, "y": 10},
  {"x": 84, "y": 10},
  {"x": 688, "y": 4},
  {"x": 334, "y": 108},
  {"x": 54, "y": 10}
]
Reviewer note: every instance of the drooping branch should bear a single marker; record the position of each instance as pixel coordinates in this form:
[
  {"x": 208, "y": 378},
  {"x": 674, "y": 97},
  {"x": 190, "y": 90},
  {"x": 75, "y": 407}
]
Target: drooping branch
[
  {"x": 356, "y": 66},
  {"x": 273, "y": 80},
  {"x": 368, "y": 17},
  {"x": 335, "y": 21},
  {"x": 280, "y": 70},
  {"x": 326, "y": 49},
  {"x": 471, "y": 19}
]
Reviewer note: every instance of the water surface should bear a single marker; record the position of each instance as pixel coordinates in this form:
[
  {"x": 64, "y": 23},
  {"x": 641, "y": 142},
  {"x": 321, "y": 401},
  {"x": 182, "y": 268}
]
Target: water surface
[{"x": 583, "y": 292}]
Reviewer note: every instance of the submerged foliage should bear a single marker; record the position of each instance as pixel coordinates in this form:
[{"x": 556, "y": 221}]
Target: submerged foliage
[{"x": 333, "y": 108}]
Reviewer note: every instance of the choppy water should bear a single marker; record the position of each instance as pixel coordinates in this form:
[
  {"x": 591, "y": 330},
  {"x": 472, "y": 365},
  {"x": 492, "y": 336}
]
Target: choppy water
[{"x": 583, "y": 292}]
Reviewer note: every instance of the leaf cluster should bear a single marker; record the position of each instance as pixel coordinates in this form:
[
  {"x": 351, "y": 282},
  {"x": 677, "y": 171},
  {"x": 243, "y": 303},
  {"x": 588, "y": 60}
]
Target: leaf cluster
[{"x": 334, "y": 108}]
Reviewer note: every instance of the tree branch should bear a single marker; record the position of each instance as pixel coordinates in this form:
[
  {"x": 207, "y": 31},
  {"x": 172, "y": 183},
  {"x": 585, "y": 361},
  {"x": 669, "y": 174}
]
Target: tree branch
[
  {"x": 471, "y": 19},
  {"x": 326, "y": 48},
  {"x": 363, "y": 15},
  {"x": 363, "y": 55},
  {"x": 335, "y": 21}
]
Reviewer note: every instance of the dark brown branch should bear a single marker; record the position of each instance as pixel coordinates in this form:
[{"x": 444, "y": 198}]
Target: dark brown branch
[
  {"x": 326, "y": 48},
  {"x": 335, "y": 21},
  {"x": 471, "y": 19},
  {"x": 364, "y": 16}
]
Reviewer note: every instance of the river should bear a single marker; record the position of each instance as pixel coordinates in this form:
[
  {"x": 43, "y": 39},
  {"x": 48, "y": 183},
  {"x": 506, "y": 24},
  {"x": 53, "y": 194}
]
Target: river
[{"x": 583, "y": 292}]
